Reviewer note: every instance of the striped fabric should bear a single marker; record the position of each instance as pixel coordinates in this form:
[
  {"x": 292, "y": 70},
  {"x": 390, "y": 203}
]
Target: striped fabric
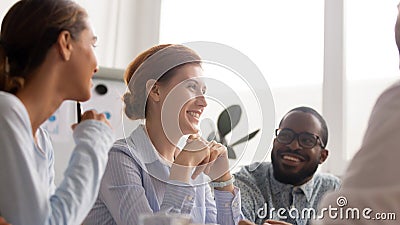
[{"x": 136, "y": 182}]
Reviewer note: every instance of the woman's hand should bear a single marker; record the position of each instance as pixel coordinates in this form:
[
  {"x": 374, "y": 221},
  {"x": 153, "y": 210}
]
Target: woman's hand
[
  {"x": 245, "y": 222},
  {"x": 218, "y": 167},
  {"x": 272, "y": 222},
  {"x": 208, "y": 157},
  {"x": 267, "y": 222},
  {"x": 3, "y": 221},
  {"x": 92, "y": 115},
  {"x": 196, "y": 153}
]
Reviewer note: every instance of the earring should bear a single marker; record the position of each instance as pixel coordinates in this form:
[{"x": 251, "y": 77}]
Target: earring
[{"x": 66, "y": 57}]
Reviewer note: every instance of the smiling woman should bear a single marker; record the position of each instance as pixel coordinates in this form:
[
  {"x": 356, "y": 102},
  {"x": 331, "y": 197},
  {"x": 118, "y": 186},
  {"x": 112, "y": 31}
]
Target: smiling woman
[{"x": 147, "y": 172}]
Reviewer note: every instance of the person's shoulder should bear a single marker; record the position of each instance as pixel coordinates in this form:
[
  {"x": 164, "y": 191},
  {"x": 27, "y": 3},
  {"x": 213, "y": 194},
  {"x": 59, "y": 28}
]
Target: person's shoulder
[
  {"x": 5, "y": 96},
  {"x": 395, "y": 87},
  {"x": 13, "y": 112},
  {"x": 9, "y": 102},
  {"x": 254, "y": 171},
  {"x": 130, "y": 144},
  {"x": 125, "y": 148},
  {"x": 251, "y": 180},
  {"x": 327, "y": 180},
  {"x": 122, "y": 151},
  {"x": 389, "y": 94},
  {"x": 121, "y": 147},
  {"x": 384, "y": 117}
]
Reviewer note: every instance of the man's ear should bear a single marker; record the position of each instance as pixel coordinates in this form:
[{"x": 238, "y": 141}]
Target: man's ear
[
  {"x": 64, "y": 43},
  {"x": 153, "y": 90},
  {"x": 324, "y": 155}
]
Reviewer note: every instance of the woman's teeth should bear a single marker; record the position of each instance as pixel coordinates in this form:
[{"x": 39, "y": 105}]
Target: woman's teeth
[{"x": 196, "y": 115}]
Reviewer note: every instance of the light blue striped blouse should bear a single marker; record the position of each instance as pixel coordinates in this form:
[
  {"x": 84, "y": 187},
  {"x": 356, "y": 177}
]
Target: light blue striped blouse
[{"x": 136, "y": 182}]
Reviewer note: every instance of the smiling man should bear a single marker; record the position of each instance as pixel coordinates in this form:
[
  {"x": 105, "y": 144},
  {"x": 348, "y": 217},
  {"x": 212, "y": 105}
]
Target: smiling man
[{"x": 289, "y": 189}]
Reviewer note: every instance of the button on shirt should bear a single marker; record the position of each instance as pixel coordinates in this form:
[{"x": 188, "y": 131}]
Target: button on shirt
[
  {"x": 137, "y": 182},
  {"x": 263, "y": 197}
]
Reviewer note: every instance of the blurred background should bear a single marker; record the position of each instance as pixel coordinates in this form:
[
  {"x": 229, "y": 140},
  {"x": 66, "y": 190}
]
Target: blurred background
[{"x": 333, "y": 55}]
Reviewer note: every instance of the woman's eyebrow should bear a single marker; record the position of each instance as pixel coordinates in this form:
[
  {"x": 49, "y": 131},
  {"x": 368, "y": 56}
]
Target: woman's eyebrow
[{"x": 191, "y": 79}]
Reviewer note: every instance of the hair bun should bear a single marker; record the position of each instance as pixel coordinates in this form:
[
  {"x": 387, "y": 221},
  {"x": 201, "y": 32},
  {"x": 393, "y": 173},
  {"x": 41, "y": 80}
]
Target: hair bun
[{"x": 133, "y": 109}]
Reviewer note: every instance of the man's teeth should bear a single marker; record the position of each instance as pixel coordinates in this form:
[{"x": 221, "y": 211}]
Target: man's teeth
[
  {"x": 197, "y": 115},
  {"x": 291, "y": 158}
]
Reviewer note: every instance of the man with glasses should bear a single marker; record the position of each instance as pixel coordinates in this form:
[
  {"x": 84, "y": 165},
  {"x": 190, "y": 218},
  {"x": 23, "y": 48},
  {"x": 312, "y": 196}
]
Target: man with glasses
[{"x": 288, "y": 189}]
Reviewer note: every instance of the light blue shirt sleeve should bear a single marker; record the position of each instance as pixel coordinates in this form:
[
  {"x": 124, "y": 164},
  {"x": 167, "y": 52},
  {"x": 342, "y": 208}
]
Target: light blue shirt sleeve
[
  {"x": 26, "y": 179},
  {"x": 228, "y": 206},
  {"x": 179, "y": 197}
]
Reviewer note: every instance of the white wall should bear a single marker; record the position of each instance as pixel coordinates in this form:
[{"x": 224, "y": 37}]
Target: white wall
[{"x": 124, "y": 27}]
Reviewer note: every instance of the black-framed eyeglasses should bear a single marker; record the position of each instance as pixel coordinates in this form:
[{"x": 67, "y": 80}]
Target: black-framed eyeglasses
[{"x": 305, "y": 139}]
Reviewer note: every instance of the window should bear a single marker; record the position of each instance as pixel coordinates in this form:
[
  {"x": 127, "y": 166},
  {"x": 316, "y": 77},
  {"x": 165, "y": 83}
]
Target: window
[
  {"x": 372, "y": 62},
  {"x": 283, "y": 38}
]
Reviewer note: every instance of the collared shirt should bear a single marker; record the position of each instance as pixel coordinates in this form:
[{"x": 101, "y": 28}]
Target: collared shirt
[
  {"x": 263, "y": 197},
  {"x": 137, "y": 182},
  {"x": 27, "y": 191}
]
